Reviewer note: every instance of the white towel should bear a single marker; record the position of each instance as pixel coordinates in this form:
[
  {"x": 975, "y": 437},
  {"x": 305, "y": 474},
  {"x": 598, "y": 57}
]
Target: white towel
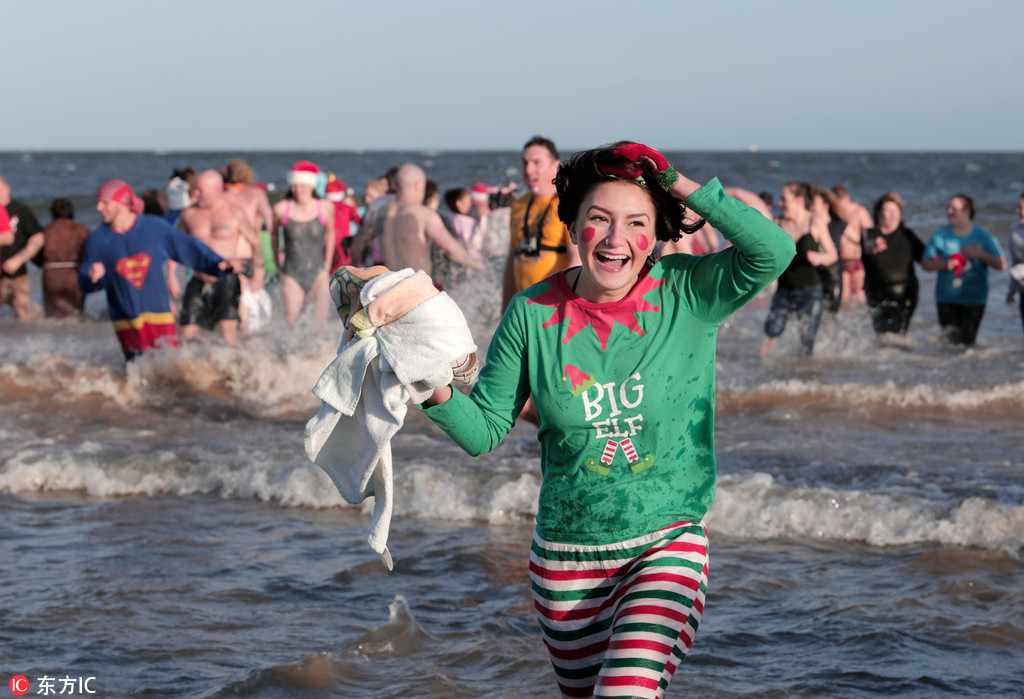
[
  {"x": 1017, "y": 272},
  {"x": 259, "y": 306},
  {"x": 364, "y": 399}
]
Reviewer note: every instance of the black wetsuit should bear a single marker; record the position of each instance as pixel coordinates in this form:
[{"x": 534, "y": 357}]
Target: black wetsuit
[
  {"x": 832, "y": 275},
  {"x": 799, "y": 292},
  {"x": 890, "y": 284}
]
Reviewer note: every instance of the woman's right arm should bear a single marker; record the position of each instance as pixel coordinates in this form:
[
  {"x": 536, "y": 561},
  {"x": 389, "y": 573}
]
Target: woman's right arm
[
  {"x": 760, "y": 251},
  {"x": 439, "y": 396}
]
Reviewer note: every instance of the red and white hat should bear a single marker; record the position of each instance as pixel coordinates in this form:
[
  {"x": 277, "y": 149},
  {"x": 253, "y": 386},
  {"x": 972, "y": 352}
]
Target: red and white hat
[
  {"x": 119, "y": 191},
  {"x": 480, "y": 192},
  {"x": 337, "y": 190},
  {"x": 304, "y": 172}
]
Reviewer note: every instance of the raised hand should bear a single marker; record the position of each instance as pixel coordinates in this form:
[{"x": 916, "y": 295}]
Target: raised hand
[{"x": 635, "y": 154}]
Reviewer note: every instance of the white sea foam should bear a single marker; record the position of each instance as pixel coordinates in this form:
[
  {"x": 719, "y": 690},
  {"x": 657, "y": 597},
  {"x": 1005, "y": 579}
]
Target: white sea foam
[
  {"x": 758, "y": 506},
  {"x": 755, "y": 506},
  {"x": 887, "y": 393}
]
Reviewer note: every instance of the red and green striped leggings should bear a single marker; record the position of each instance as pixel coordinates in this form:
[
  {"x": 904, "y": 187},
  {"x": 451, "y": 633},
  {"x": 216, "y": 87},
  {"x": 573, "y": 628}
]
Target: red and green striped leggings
[{"x": 618, "y": 619}]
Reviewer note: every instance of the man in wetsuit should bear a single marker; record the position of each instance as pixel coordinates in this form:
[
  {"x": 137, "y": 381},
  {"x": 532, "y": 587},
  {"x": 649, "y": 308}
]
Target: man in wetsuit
[
  {"x": 408, "y": 227},
  {"x": 539, "y": 242},
  {"x": 223, "y": 226}
]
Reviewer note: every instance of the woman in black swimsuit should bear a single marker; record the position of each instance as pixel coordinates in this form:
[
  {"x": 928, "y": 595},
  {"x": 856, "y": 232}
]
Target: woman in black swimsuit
[{"x": 800, "y": 290}]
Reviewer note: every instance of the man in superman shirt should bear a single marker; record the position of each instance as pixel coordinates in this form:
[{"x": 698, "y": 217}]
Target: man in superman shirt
[{"x": 125, "y": 256}]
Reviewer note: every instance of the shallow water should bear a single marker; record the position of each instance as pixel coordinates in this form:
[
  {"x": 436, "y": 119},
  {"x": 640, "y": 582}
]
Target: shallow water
[{"x": 163, "y": 532}]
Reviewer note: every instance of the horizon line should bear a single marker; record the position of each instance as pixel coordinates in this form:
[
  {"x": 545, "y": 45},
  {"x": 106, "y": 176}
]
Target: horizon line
[{"x": 752, "y": 150}]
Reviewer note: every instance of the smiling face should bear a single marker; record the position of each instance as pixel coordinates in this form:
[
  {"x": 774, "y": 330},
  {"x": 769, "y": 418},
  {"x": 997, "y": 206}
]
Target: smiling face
[
  {"x": 109, "y": 209},
  {"x": 614, "y": 233}
]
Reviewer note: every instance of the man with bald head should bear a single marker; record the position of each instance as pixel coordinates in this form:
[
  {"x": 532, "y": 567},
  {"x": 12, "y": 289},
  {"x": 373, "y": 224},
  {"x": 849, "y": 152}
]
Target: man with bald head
[
  {"x": 408, "y": 227},
  {"x": 225, "y": 228}
]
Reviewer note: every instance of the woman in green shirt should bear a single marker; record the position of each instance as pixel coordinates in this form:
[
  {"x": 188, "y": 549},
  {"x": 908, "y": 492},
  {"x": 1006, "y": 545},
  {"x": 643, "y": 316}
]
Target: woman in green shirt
[{"x": 619, "y": 356}]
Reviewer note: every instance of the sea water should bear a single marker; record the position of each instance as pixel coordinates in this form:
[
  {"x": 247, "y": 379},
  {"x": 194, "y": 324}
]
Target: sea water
[{"x": 163, "y": 533}]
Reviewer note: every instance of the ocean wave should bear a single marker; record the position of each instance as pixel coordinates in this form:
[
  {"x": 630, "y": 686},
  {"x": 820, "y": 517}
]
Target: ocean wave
[
  {"x": 266, "y": 378},
  {"x": 95, "y": 470},
  {"x": 928, "y": 399},
  {"x": 503, "y": 491},
  {"x": 758, "y": 506}
]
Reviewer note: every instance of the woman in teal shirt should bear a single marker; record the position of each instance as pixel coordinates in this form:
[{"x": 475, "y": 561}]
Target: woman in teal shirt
[
  {"x": 619, "y": 357},
  {"x": 962, "y": 254}
]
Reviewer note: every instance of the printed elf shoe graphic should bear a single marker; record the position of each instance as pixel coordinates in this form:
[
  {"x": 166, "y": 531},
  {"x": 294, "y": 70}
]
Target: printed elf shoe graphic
[
  {"x": 602, "y": 318},
  {"x": 134, "y": 268},
  {"x": 636, "y": 464}
]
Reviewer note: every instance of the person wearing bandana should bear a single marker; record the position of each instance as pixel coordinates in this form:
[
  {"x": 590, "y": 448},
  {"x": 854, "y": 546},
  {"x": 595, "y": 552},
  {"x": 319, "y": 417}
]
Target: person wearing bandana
[{"x": 125, "y": 256}]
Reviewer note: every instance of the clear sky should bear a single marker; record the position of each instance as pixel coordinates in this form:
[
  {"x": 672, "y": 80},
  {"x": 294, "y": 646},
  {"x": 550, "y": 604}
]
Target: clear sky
[{"x": 382, "y": 74}]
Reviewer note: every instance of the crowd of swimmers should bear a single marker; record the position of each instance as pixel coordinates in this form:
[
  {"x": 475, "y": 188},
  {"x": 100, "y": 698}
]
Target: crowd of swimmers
[{"x": 847, "y": 256}]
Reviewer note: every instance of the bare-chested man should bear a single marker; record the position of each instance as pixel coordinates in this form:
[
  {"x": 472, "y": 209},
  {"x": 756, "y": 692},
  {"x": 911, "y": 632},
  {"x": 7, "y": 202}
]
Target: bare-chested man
[
  {"x": 239, "y": 190},
  {"x": 858, "y": 219},
  {"x": 407, "y": 227},
  {"x": 224, "y": 227}
]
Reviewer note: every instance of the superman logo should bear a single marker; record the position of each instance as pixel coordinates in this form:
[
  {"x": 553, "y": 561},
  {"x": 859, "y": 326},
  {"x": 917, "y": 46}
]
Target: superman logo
[{"x": 134, "y": 268}]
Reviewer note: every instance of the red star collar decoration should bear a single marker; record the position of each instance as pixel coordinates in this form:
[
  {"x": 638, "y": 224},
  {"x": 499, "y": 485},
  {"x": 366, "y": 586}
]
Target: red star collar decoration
[{"x": 601, "y": 316}]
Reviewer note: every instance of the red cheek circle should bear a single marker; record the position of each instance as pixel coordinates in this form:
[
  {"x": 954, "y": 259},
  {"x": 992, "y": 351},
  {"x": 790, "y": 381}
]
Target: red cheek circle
[
  {"x": 642, "y": 242},
  {"x": 588, "y": 234}
]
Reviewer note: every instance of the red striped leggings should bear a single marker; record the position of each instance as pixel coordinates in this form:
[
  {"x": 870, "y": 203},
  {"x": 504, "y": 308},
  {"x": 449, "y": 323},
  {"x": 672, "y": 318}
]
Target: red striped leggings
[{"x": 618, "y": 619}]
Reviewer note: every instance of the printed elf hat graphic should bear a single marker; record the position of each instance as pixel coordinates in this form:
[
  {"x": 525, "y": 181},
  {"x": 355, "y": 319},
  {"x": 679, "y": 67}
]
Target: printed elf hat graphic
[{"x": 580, "y": 380}]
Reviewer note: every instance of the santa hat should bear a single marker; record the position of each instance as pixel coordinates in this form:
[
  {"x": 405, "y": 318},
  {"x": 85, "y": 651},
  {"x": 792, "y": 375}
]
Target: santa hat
[
  {"x": 119, "y": 191},
  {"x": 480, "y": 192},
  {"x": 337, "y": 190},
  {"x": 304, "y": 172}
]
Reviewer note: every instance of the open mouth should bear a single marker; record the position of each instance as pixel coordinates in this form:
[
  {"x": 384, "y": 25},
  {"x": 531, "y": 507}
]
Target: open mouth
[{"x": 611, "y": 261}]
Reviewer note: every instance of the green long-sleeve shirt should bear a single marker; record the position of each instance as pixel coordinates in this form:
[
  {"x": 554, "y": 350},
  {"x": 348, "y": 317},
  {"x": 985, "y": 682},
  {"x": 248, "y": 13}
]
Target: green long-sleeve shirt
[{"x": 625, "y": 391}]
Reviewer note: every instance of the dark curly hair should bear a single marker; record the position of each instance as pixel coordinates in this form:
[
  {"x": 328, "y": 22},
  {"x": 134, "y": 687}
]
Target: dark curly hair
[
  {"x": 62, "y": 208},
  {"x": 585, "y": 170}
]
